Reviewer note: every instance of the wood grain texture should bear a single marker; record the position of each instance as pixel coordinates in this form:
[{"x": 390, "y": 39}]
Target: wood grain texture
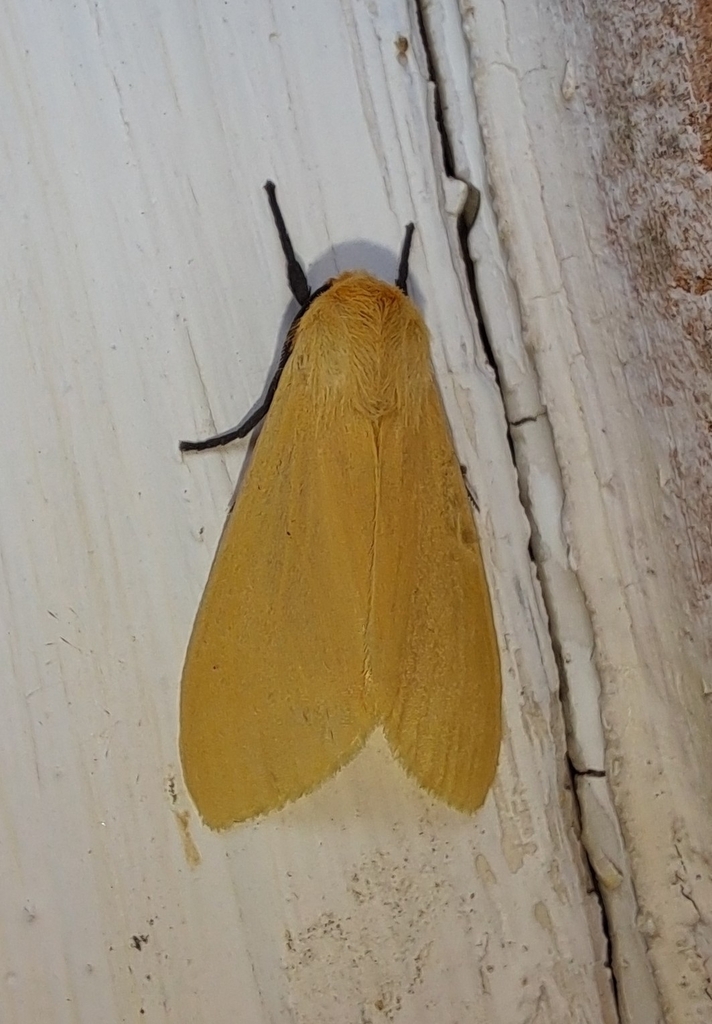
[{"x": 142, "y": 291}]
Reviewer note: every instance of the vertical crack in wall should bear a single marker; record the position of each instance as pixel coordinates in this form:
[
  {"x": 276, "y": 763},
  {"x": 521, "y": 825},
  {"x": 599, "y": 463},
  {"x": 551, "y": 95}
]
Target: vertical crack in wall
[
  {"x": 470, "y": 210},
  {"x": 465, "y": 222}
]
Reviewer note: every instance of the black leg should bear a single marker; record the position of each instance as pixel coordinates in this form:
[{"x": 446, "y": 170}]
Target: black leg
[
  {"x": 244, "y": 428},
  {"x": 402, "y": 279},
  {"x": 295, "y": 275},
  {"x": 302, "y": 293},
  {"x": 470, "y": 490}
]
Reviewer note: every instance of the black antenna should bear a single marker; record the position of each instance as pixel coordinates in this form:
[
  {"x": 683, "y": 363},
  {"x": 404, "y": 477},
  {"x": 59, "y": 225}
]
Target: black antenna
[
  {"x": 402, "y": 279},
  {"x": 298, "y": 284}
]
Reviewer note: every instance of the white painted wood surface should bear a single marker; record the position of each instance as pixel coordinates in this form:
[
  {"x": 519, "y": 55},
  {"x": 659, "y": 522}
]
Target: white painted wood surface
[{"x": 142, "y": 296}]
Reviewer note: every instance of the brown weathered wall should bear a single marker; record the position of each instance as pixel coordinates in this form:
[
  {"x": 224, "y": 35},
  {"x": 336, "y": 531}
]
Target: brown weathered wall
[{"x": 653, "y": 94}]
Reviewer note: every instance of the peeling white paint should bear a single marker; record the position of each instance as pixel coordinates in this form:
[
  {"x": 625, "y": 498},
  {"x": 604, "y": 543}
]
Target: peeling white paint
[{"x": 538, "y": 156}]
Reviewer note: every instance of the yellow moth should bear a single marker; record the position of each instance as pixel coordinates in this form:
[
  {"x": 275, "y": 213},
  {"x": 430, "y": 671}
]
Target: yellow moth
[{"x": 348, "y": 590}]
